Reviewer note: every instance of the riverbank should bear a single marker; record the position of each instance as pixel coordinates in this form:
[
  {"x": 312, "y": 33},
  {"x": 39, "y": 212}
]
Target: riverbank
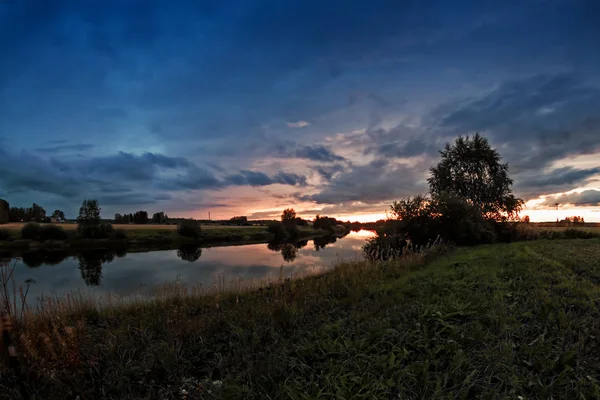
[
  {"x": 497, "y": 321},
  {"x": 152, "y": 237}
]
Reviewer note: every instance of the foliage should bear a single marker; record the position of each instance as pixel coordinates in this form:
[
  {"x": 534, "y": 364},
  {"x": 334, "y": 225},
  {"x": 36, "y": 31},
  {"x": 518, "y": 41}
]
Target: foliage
[
  {"x": 123, "y": 219},
  {"x": 58, "y": 214},
  {"x": 119, "y": 234},
  {"x": 5, "y": 234},
  {"x": 289, "y": 214},
  {"x": 240, "y": 220},
  {"x": 159, "y": 218},
  {"x": 471, "y": 171},
  {"x": 52, "y": 232},
  {"x": 33, "y": 213},
  {"x": 190, "y": 229},
  {"x": 288, "y": 218},
  {"x": 325, "y": 223},
  {"x": 4, "y": 211},
  {"x": 189, "y": 252},
  {"x": 278, "y": 229},
  {"x": 89, "y": 213},
  {"x": 103, "y": 230},
  {"x": 140, "y": 217},
  {"x": 31, "y": 231}
]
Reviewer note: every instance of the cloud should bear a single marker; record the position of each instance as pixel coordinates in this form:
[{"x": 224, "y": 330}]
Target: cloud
[
  {"x": 59, "y": 148},
  {"x": 317, "y": 153},
  {"x": 374, "y": 182},
  {"x": 254, "y": 178},
  {"x": 586, "y": 198},
  {"x": 328, "y": 171},
  {"x": 530, "y": 139},
  {"x": 556, "y": 180},
  {"x": 298, "y": 124}
]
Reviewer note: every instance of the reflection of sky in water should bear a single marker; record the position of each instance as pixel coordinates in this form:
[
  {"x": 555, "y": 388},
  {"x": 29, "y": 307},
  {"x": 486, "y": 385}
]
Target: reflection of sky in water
[{"x": 124, "y": 275}]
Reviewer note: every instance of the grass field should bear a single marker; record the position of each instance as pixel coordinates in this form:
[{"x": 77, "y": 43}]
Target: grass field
[
  {"x": 506, "y": 321},
  {"x": 16, "y": 226}
]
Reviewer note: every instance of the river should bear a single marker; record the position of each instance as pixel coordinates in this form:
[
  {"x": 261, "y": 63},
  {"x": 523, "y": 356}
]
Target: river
[{"x": 123, "y": 274}]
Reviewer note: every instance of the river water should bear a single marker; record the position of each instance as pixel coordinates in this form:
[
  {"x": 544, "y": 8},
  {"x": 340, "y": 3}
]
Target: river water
[{"x": 123, "y": 274}]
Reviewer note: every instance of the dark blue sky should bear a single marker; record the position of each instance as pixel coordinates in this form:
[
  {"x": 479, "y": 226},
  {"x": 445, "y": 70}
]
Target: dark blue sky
[{"x": 250, "y": 106}]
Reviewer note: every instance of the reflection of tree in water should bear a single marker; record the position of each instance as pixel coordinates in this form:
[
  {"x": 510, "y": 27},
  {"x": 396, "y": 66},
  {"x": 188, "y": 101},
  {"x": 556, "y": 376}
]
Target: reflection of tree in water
[
  {"x": 321, "y": 242},
  {"x": 289, "y": 251},
  {"x": 189, "y": 252},
  {"x": 90, "y": 264},
  {"x": 38, "y": 258}
]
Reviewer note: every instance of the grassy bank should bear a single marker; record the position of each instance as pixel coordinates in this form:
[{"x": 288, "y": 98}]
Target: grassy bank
[
  {"x": 149, "y": 237},
  {"x": 498, "y": 321}
]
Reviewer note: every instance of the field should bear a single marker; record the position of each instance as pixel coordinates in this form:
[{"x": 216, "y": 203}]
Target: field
[
  {"x": 16, "y": 226},
  {"x": 505, "y": 321}
]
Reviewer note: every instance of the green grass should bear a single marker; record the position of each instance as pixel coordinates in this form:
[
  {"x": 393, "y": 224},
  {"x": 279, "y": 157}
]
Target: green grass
[{"x": 491, "y": 322}]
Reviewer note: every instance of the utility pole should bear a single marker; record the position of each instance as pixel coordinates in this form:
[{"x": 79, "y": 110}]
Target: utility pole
[
  {"x": 209, "y": 216},
  {"x": 557, "y": 204}
]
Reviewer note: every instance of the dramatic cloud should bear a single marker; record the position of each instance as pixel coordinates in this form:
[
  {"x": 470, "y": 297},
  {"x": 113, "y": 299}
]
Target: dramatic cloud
[
  {"x": 371, "y": 183},
  {"x": 175, "y": 101},
  {"x": 585, "y": 198}
]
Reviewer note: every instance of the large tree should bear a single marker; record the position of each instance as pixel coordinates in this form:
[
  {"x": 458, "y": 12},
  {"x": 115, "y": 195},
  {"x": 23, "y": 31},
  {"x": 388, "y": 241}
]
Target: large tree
[
  {"x": 89, "y": 213},
  {"x": 473, "y": 172},
  {"x": 58, "y": 214}
]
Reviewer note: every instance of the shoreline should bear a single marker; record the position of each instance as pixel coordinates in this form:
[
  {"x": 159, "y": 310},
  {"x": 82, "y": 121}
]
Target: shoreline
[{"x": 156, "y": 240}]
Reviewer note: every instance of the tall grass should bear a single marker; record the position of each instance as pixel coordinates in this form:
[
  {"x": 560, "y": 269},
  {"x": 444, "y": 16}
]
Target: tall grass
[{"x": 152, "y": 343}]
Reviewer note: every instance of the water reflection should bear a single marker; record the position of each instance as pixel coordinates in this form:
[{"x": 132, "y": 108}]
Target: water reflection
[
  {"x": 322, "y": 242},
  {"x": 289, "y": 251},
  {"x": 189, "y": 252},
  {"x": 115, "y": 271},
  {"x": 36, "y": 259}
]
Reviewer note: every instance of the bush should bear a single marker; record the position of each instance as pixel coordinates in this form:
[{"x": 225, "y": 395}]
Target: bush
[
  {"x": 189, "y": 229},
  {"x": 385, "y": 247},
  {"x": 277, "y": 229},
  {"x": 91, "y": 231},
  {"x": 52, "y": 232},
  {"x": 119, "y": 234},
  {"x": 4, "y": 234},
  {"x": 31, "y": 231}
]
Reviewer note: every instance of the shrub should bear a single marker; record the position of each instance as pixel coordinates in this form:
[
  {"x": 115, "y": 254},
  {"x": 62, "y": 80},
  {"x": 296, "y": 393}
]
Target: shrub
[
  {"x": 119, "y": 234},
  {"x": 52, "y": 232},
  {"x": 189, "y": 229},
  {"x": 4, "y": 234},
  {"x": 31, "y": 231},
  {"x": 385, "y": 247},
  {"x": 91, "y": 231},
  {"x": 277, "y": 229},
  {"x": 573, "y": 233}
]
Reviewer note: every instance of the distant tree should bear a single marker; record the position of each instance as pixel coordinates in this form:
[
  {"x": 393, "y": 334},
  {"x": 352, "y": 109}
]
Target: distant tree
[
  {"x": 289, "y": 214},
  {"x": 4, "y": 211},
  {"x": 37, "y": 213},
  {"x": 472, "y": 171},
  {"x": 239, "y": 220},
  {"x": 288, "y": 218},
  {"x": 159, "y": 218},
  {"x": 525, "y": 219},
  {"x": 325, "y": 223},
  {"x": 140, "y": 217},
  {"x": 89, "y": 213},
  {"x": 301, "y": 222},
  {"x": 58, "y": 214}
]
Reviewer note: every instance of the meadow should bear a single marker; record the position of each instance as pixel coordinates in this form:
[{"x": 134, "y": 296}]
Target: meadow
[{"x": 502, "y": 321}]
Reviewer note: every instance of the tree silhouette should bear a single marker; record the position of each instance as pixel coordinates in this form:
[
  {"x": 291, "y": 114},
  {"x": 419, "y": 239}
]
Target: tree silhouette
[
  {"x": 189, "y": 252},
  {"x": 472, "y": 171},
  {"x": 90, "y": 264}
]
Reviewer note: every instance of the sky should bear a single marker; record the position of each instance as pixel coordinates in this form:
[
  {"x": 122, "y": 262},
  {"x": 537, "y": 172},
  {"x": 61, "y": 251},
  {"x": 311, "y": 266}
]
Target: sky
[{"x": 239, "y": 107}]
